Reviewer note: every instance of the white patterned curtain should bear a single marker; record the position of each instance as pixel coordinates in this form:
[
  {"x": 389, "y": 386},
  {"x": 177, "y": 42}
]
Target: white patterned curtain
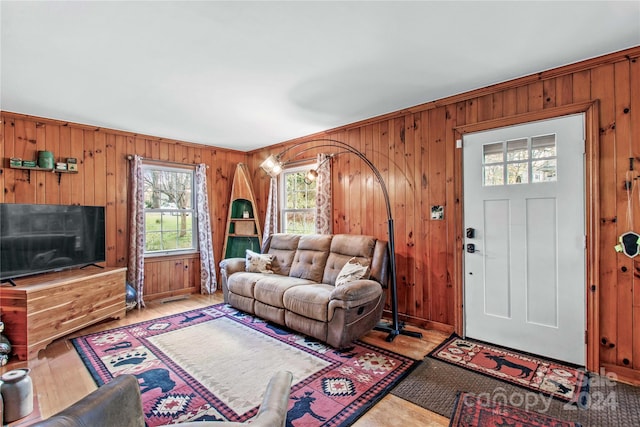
[
  {"x": 135, "y": 271},
  {"x": 323, "y": 195},
  {"x": 208, "y": 283},
  {"x": 271, "y": 217}
]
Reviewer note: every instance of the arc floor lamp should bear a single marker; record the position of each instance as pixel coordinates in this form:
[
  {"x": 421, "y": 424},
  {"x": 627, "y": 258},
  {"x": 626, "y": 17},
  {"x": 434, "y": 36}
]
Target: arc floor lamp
[{"x": 274, "y": 164}]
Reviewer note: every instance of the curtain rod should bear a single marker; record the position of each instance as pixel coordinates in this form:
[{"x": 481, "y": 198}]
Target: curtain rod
[{"x": 170, "y": 162}]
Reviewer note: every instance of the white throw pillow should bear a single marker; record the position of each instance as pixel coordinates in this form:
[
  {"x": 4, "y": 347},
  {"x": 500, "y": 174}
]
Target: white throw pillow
[
  {"x": 258, "y": 263},
  {"x": 351, "y": 271}
]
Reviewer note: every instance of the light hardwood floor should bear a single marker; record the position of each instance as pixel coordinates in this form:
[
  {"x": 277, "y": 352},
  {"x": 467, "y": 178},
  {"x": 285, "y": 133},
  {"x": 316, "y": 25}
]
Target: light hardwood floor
[{"x": 60, "y": 378}]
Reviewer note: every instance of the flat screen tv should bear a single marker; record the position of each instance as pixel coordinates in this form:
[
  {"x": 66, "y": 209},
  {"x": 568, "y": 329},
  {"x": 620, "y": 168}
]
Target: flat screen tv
[{"x": 41, "y": 238}]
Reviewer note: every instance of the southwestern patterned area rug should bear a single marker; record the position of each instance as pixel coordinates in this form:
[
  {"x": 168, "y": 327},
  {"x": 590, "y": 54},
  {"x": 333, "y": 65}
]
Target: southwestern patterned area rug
[
  {"x": 474, "y": 411},
  {"x": 214, "y": 364},
  {"x": 560, "y": 381}
]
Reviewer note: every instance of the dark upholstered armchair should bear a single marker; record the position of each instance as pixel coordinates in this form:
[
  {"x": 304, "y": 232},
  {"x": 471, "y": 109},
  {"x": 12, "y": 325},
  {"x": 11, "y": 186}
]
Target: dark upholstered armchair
[{"x": 118, "y": 403}]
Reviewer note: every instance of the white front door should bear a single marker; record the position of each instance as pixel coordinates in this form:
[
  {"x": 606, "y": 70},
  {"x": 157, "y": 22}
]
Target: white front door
[{"x": 525, "y": 245}]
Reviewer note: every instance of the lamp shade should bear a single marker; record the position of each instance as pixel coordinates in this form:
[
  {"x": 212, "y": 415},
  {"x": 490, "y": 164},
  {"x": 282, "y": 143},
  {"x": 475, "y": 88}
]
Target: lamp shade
[
  {"x": 272, "y": 165},
  {"x": 311, "y": 176}
]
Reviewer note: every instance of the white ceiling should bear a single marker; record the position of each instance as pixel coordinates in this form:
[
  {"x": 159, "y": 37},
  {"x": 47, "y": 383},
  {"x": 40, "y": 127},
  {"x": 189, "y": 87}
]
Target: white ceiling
[{"x": 245, "y": 75}]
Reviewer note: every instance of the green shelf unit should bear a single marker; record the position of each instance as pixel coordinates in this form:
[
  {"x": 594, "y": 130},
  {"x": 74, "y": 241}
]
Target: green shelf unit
[
  {"x": 243, "y": 228},
  {"x": 237, "y": 246},
  {"x": 239, "y": 206}
]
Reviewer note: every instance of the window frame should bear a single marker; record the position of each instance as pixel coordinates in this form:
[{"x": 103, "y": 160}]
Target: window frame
[
  {"x": 194, "y": 249},
  {"x": 282, "y": 195},
  {"x": 529, "y": 160}
]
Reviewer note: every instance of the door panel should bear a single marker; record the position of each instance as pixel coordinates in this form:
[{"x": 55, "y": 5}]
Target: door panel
[
  {"x": 524, "y": 195},
  {"x": 541, "y": 284},
  {"x": 496, "y": 246}
]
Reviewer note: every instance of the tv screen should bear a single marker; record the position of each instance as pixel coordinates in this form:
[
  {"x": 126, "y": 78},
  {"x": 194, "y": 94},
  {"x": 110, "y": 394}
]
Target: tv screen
[{"x": 40, "y": 238}]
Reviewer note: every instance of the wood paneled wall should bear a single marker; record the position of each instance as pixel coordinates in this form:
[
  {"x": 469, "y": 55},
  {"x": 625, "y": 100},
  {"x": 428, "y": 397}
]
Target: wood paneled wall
[
  {"x": 415, "y": 149},
  {"x": 102, "y": 180}
]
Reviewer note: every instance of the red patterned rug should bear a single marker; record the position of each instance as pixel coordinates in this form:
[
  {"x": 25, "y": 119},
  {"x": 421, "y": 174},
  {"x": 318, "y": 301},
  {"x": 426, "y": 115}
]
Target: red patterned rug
[
  {"x": 563, "y": 382},
  {"x": 214, "y": 363},
  {"x": 472, "y": 411}
]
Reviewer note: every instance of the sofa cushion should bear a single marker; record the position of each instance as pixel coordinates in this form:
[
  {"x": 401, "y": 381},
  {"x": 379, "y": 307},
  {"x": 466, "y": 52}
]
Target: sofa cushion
[
  {"x": 311, "y": 257},
  {"x": 271, "y": 288},
  {"x": 283, "y": 248},
  {"x": 240, "y": 302},
  {"x": 242, "y": 283},
  {"x": 269, "y": 312},
  {"x": 309, "y": 301},
  {"x": 258, "y": 263},
  {"x": 353, "y": 270},
  {"x": 343, "y": 248},
  {"x": 306, "y": 326}
]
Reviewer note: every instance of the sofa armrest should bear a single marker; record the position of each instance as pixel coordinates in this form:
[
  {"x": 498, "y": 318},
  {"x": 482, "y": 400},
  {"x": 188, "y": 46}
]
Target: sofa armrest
[
  {"x": 117, "y": 403},
  {"x": 273, "y": 409},
  {"x": 227, "y": 268},
  {"x": 357, "y": 291},
  {"x": 232, "y": 265}
]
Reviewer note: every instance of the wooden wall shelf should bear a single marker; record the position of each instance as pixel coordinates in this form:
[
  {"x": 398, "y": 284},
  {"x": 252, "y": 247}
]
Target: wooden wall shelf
[{"x": 39, "y": 169}]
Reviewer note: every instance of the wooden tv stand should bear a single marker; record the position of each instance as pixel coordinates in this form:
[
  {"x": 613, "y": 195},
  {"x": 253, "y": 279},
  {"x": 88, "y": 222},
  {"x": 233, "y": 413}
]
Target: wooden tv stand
[{"x": 40, "y": 309}]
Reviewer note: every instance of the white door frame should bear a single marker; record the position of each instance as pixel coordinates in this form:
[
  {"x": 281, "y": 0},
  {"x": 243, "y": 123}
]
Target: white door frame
[{"x": 592, "y": 204}]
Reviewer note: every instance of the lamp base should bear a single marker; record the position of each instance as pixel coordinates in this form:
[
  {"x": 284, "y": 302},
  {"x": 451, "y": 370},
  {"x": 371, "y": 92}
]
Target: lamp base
[{"x": 395, "y": 331}]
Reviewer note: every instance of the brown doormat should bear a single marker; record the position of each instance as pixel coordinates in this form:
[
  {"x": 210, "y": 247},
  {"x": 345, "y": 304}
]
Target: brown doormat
[
  {"x": 559, "y": 380},
  {"x": 472, "y": 411},
  {"x": 434, "y": 385}
]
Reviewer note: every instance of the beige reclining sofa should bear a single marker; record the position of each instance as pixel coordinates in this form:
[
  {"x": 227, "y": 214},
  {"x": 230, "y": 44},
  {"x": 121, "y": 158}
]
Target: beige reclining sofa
[{"x": 297, "y": 285}]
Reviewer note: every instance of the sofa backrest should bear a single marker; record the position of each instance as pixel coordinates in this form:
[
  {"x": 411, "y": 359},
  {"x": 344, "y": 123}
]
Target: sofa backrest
[
  {"x": 311, "y": 256},
  {"x": 283, "y": 247},
  {"x": 343, "y": 248},
  {"x": 320, "y": 257}
]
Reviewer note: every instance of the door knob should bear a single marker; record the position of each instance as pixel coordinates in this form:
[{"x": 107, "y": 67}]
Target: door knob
[{"x": 471, "y": 248}]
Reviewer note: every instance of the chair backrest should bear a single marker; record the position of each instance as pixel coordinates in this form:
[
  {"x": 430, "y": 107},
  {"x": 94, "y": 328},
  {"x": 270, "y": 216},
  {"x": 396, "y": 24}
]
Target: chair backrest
[{"x": 117, "y": 403}]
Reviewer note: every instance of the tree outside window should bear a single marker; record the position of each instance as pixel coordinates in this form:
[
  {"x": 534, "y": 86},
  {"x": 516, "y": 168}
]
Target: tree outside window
[
  {"x": 298, "y": 198},
  {"x": 170, "y": 221}
]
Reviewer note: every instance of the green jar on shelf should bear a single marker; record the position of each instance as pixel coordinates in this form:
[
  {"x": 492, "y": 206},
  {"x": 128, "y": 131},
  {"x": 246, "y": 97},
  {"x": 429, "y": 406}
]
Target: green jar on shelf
[{"x": 45, "y": 159}]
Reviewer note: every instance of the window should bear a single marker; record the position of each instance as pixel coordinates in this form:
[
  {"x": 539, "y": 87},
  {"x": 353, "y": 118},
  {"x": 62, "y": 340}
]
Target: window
[
  {"x": 298, "y": 202},
  {"x": 520, "y": 161},
  {"x": 169, "y": 216}
]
